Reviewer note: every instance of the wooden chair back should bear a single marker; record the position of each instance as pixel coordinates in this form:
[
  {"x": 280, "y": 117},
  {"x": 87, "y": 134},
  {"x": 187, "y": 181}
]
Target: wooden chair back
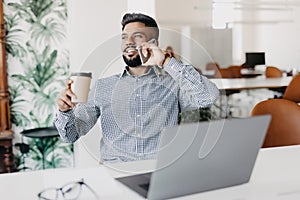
[
  {"x": 235, "y": 71},
  {"x": 273, "y": 72},
  {"x": 229, "y": 72},
  {"x": 284, "y": 128},
  {"x": 292, "y": 91}
]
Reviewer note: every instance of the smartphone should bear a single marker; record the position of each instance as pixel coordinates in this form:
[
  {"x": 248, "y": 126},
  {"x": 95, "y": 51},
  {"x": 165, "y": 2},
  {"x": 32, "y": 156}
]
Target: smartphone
[{"x": 144, "y": 59}]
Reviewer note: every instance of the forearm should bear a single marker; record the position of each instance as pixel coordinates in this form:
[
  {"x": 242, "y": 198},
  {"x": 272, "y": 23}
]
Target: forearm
[
  {"x": 64, "y": 122},
  {"x": 77, "y": 122}
]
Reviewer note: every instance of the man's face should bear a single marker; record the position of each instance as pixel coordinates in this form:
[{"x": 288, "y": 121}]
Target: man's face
[{"x": 133, "y": 35}]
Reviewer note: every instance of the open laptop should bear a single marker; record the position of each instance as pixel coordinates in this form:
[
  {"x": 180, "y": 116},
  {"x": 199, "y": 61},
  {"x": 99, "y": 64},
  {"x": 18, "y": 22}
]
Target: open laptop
[{"x": 202, "y": 156}]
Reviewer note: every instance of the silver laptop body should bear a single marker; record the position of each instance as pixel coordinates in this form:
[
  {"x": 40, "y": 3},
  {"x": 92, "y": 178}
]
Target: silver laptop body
[{"x": 202, "y": 156}]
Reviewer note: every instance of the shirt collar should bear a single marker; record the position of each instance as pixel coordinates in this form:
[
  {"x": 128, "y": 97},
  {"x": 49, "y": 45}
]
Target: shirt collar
[
  {"x": 125, "y": 72},
  {"x": 152, "y": 70}
]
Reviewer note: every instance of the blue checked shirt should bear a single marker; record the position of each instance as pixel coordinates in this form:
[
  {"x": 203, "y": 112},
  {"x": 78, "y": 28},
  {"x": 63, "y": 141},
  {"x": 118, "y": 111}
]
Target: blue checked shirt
[{"x": 133, "y": 110}]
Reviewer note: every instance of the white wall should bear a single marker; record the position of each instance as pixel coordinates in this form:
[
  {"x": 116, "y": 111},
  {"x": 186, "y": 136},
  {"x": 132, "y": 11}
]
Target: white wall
[
  {"x": 275, "y": 32},
  {"x": 211, "y": 45},
  {"x": 142, "y": 6},
  {"x": 284, "y": 47},
  {"x": 177, "y": 13},
  {"x": 90, "y": 24},
  {"x": 181, "y": 22}
]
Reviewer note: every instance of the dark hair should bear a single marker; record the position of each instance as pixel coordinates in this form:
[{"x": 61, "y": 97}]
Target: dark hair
[{"x": 138, "y": 17}]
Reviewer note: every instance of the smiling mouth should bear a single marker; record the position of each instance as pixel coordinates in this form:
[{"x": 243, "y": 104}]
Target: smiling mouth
[{"x": 130, "y": 50}]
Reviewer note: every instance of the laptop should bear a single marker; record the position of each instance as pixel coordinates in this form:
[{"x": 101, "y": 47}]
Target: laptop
[{"x": 202, "y": 156}]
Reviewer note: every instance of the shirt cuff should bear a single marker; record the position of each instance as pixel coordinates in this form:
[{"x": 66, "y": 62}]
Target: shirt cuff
[
  {"x": 62, "y": 118},
  {"x": 174, "y": 67}
]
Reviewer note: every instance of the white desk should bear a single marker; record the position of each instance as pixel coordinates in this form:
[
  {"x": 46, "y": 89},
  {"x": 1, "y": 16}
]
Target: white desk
[
  {"x": 276, "y": 176},
  {"x": 251, "y": 83}
]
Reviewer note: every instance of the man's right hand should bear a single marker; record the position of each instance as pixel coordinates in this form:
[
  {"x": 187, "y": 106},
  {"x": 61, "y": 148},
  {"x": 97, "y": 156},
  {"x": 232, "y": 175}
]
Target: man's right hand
[{"x": 64, "y": 100}]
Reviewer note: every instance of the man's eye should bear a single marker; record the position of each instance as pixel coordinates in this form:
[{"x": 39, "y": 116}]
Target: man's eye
[{"x": 138, "y": 36}]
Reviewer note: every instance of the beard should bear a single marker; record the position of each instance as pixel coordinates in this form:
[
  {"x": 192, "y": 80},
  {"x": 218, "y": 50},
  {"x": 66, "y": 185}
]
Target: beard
[{"x": 133, "y": 62}]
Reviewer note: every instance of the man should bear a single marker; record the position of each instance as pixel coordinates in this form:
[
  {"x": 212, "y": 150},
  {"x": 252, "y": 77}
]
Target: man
[{"x": 137, "y": 104}]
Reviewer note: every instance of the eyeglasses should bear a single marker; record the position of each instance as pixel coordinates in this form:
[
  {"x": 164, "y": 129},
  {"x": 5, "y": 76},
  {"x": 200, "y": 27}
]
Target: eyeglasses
[{"x": 69, "y": 191}]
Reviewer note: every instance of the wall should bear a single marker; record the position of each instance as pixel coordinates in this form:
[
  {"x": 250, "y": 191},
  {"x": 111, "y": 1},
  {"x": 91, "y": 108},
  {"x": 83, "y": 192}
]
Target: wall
[
  {"x": 189, "y": 32},
  {"x": 186, "y": 27},
  {"x": 280, "y": 41},
  {"x": 178, "y": 13},
  {"x": 274, "y": 30},
  {"x": 216, "y": 46}
]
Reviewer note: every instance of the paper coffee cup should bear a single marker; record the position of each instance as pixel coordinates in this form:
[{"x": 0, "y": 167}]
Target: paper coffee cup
[{"x": 81, "y": 86}]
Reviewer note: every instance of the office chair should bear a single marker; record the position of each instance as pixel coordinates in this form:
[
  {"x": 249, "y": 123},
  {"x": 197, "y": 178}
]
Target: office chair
[
  {"x": 223, "y": 73},
  {"x": 235, "y": 71},
  {"x": 292, "y": 92},
  {"x": 284, "y": 128},
  {"x": 273, "y": 72},
  {"x": 229, "y": 72}
]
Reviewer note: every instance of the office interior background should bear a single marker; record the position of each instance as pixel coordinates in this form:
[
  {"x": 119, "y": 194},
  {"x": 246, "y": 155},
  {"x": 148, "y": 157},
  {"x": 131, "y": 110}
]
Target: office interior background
[
  {"x": 226, "y": 29},
  {"x": 200, "y": 31}
]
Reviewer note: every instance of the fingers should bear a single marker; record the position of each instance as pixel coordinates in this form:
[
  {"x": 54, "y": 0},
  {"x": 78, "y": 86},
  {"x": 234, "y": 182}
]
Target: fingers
[
  {"x": 144, "y": 53},
  {"x": 69, "y": 83},
  {"x": 153, "y": 53},
  {"x": 64, "y": 102}
]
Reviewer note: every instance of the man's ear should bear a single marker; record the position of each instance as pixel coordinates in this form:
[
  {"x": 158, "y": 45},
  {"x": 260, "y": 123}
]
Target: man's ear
[{"x": 154, "y": 41}]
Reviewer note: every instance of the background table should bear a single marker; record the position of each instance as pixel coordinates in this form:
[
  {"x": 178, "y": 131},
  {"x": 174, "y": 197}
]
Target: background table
[
  {"x": 43, "y": 134},
  {"x": 251, "y": 83}
]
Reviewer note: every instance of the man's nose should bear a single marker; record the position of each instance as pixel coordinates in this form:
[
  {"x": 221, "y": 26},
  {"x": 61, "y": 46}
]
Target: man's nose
[{"x": 130, "y": 41}]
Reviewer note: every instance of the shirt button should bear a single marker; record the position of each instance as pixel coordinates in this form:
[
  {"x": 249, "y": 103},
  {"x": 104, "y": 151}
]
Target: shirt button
[
  {"x": 138, "y": 115},
  {"x": 186, "y": 75},
  {"x": 137, "y": 95}
]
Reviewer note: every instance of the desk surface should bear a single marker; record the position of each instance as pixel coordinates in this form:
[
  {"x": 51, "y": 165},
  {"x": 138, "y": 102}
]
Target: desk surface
[
  {"x": 276, "y": 175},
  {"x": 251, "y": 83}
]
